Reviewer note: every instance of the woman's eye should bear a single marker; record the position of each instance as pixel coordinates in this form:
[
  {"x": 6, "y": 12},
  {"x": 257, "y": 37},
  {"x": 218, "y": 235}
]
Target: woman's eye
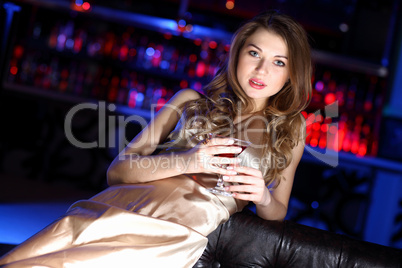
[
  {"x": 279, "y": 63},
  {"x": 254, "y": 53}
]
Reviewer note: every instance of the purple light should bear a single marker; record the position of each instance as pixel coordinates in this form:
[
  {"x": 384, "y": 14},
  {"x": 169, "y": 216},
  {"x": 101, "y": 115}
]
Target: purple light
[{"x": 319, "y": 86}]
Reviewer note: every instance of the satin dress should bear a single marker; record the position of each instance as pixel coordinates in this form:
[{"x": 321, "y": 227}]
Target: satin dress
[{"x": 161, "y": 223}]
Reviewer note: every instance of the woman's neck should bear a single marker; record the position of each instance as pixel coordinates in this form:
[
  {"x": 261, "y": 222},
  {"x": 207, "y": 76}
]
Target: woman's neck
[{"x": 241, "y": 117}]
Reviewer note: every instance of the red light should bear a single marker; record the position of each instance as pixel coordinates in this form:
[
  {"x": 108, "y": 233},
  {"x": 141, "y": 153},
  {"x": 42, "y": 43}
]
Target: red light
[
  {"x": 310, "y": 119},
  {"x": 200, "y": 69},
  {"x": 333, "y": 129},
  {"x": 115, "y": 81},
  {"x": 198, "y": 42},
  {"x": 347, "y": 144},
  {"x": 191, "y": 73},
  {"x": 77, "y": 45},
  {"x": 330, "y": 98},
  {"x": 366, "y": 129},
  {"x": 183, "y": 84},
  {"x": 124, "y": 83},
  {"x": 193, "y": 58},
  {"x": 362, "y": 148},
  {"x": 64, "y": 74},
  {"x": 323, "y": 143},
  {"x": 18, "y": 51},
  {"x": 368, "y": 105},
  {"x": 213, "y": 44},
  {"x": 355, "y": 147},
  {"x": 123, "y": 52},
  {"x": 63, "y": 86},
  {"x": 132, "y": 52},
  {"x": 314, "y": 142},
  {"x": 160, "y": 103},
  {"x": 316, "y": 126},
  {"x": 86, "y": 6},
  {"x": 168, "y": 35},
  {"x": 112, "y": 94},
  {"x": 132, "y": 99},
  {"x": 14, "y": 70},
  {"x": 163, "y": 92}
]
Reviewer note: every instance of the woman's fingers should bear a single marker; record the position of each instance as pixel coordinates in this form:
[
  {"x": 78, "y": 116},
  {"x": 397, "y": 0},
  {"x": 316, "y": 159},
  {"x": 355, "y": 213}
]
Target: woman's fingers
[
  {"x": 249, "y": 184},
  {"x": 217, "y": 140},
  {"x": 247, "y": 171}
]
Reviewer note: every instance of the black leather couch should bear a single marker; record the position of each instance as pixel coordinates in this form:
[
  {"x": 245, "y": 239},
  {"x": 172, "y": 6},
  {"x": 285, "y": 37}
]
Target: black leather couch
[{"x": 248, "y": 241}]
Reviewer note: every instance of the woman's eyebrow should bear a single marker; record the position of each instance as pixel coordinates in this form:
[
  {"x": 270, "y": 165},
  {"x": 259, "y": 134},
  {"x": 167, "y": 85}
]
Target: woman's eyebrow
[
  {"x": 256, "y": 47},
  {"x": 252, "y": 45}
]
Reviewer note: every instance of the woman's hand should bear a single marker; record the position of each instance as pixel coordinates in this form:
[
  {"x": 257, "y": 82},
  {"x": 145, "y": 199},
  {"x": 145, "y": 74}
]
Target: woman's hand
[
  {"x": 251, "y": 185},
  {"x": 204, "y": 157}
]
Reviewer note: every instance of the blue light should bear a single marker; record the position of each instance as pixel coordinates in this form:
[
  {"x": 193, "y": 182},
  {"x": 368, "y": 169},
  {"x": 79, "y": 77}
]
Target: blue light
[
  {"x": 79, "y": 2},
  {"x": 70, "y": 43},
  {"x": 182, "y": 23},
  {"x": 204, "y": 54},
  {"x": 140, "y": 97},
  {"x": 315, "y": 204},
  {"x": 385, "y": 62},
  {"x": 150, "y": 51},
  {"x": 164, "y": 65}
]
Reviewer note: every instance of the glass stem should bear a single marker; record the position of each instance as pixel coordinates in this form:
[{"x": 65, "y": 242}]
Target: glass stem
[{"x": 219, "y": 184}]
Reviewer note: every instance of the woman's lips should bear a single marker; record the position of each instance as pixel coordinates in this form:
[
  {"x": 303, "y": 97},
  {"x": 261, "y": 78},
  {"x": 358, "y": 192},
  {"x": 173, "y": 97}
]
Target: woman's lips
[{"x": 257, "y": 84}]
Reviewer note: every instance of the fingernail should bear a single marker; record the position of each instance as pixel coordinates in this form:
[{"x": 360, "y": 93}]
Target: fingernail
[
  {"x": 225, "y": 178},
  {"x": 229, "y": 168},
  {"x": 230, "y": 141}
]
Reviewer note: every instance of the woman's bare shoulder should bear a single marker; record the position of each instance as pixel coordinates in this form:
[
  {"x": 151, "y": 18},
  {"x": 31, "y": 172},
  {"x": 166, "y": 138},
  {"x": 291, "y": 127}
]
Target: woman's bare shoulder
[{"x": 187, "y": 94}]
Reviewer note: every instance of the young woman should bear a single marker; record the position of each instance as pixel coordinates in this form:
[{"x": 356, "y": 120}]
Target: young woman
[{"x": 157, "y": 211}]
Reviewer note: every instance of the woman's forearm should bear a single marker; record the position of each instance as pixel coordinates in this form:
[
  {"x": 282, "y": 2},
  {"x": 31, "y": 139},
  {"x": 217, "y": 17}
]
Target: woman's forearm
[
  {"x": 133, "y": 168},
  {"x": 274, "y": 210}
]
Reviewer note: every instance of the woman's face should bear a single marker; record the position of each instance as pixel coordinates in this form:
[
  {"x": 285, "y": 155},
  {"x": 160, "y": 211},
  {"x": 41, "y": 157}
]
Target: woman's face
[{"x": 262, "y": 68}]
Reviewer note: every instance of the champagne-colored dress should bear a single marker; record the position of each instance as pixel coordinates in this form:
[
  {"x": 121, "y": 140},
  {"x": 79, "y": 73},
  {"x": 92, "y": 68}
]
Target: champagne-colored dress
[{"x": 162, "y": 223}]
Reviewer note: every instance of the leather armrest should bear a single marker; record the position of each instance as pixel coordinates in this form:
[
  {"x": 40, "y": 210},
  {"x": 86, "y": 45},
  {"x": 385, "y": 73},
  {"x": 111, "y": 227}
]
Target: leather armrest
[{"x": 249, "y": 241}]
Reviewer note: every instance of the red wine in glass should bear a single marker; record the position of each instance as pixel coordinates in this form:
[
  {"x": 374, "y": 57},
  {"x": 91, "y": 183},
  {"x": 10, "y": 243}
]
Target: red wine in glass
[
  {"x": 220, "y": 188},
  {"x": 233, "y": 155}
]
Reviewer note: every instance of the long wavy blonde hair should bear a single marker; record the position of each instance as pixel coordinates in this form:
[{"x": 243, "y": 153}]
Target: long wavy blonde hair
[{"x": 224, "y": 94}]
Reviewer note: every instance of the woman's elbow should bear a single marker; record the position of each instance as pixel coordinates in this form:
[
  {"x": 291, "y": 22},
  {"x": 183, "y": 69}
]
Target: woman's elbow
[{"x": 112, "y": 176}]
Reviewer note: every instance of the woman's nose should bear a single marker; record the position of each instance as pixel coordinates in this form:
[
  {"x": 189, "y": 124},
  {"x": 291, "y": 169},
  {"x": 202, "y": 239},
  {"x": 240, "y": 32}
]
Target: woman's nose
[{"x": 262, "y": 66}]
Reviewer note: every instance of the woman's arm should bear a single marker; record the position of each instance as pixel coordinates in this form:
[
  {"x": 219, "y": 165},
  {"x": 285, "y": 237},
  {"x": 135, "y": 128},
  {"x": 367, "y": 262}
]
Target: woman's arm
[
  {"x": 275, "y": 206},
  {"x": 135, "y": 163}
]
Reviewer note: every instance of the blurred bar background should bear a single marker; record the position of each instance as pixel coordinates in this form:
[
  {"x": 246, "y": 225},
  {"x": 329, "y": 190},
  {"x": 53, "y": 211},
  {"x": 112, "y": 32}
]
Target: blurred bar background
[{"x": 102, "y": 68}]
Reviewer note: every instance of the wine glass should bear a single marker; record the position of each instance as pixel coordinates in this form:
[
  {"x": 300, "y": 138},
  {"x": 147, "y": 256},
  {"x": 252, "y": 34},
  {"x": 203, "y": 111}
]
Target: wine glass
[{"x": 220, "y": 188}]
